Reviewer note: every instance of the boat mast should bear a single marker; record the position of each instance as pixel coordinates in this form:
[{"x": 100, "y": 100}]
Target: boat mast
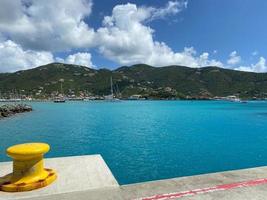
[
  {"x": 111, "y": 86},
  {"x": 118, "y": 90},
  {"x": 61, "y": 85},
  {"x": 61, "y": 89}
]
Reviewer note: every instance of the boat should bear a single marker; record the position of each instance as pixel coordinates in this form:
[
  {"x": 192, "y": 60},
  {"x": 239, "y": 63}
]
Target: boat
[
  {"x": 59, "y": 101},
  {"x": 60, "y": 98},
  {"x": 233, "y": 98},
  {"x": 111, "y": 97}
]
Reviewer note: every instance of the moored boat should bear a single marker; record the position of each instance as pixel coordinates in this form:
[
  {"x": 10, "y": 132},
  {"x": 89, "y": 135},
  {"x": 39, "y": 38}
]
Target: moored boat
[
  {"x": 59, "y": 100},
  {"x": 111, "y": 97}
]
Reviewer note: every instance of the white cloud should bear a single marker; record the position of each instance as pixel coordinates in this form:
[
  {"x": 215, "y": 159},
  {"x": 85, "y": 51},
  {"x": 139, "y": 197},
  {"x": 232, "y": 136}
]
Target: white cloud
[
  {"x": 204, "y": 61},
  {"x": 124, "y": 38},
  {"x": 47, "y": 25},
  {"x": 171, "y": 8},
  {"x": 233, "y": 58},
  {"x": 83, "y": 59},
  {"x": 13, "y": 57},
  {"x": 260, "y": 66}
]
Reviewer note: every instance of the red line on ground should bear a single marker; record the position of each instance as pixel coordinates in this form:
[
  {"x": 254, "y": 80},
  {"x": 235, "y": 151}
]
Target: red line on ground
[{"x": 224, "y": 187}]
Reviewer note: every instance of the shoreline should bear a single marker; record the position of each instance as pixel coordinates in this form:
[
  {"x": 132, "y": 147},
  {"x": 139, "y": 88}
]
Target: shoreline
[{"x": 103, "y": 100}]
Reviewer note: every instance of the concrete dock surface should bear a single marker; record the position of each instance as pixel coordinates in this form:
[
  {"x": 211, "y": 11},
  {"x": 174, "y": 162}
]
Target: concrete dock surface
[
  {"x": 246, "y": 184},
  {"x": 77, "y": 173}
]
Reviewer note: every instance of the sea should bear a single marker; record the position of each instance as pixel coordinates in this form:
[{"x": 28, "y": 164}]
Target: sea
[{"x": 147, "y": 140}]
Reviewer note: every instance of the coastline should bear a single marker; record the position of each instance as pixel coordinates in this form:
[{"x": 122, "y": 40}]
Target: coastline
[{"x": 3, "y": 101}]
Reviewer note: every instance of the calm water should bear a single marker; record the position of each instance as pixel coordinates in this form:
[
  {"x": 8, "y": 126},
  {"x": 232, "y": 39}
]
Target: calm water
[{"x": 148, "y": 140}]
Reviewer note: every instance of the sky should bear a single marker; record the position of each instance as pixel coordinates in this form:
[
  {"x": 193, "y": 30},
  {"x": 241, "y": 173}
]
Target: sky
[{"x": 112, "y": 33}]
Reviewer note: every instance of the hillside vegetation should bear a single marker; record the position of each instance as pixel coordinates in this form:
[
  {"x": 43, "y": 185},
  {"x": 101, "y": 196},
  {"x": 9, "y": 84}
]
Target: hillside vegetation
[{"x": 151, "y": 82}]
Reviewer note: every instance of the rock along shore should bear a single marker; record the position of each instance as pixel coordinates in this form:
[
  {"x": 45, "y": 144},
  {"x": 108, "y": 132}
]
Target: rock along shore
[{"x": 8, "y": 110}]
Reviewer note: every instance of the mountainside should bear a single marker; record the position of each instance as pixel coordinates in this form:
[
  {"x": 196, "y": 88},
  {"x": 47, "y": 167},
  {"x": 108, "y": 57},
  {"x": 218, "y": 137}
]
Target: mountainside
[{"x": 152, "y": 82}]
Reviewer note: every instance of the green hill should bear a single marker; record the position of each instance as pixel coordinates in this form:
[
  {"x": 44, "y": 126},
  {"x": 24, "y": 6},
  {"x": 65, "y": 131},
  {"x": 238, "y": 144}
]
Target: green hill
[{"x": 152, "y": 82}]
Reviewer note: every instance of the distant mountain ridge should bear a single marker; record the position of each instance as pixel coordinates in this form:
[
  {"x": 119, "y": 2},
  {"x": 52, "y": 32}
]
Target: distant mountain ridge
[{"x": 150, "y": 82}]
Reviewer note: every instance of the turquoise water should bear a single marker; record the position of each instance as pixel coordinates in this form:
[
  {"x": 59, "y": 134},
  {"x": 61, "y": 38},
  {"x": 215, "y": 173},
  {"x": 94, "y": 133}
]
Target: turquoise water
[{"x": 148, "y": 140}]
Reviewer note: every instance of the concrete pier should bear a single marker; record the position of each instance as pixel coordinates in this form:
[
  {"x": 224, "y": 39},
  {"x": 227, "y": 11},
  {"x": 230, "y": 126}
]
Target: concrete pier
[
  {"x": 75, "y": 174},
  {"x": 88, "y": 178}
]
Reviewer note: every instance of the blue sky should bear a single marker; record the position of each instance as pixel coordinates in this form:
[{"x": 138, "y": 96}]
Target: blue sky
[{"x": 229, "y": 34}]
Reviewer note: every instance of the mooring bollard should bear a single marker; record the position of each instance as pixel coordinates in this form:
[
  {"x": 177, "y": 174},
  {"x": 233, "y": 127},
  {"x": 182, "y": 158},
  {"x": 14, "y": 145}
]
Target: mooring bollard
[{"x": 28, "y": 168}]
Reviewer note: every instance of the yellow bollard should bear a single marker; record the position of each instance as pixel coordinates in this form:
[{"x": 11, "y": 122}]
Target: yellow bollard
[{"x": 28, "y": 170}]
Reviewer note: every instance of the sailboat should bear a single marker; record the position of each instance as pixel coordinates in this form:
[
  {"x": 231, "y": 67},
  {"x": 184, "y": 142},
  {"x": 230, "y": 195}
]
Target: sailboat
[
  {"x": 60, "y": 98},
  {"x": 111, "y": 96}
]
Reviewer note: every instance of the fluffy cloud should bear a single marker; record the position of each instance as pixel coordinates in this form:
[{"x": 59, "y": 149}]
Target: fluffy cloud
[
  {"x": 13, "y": 57},
  {"x": 83, "y": 59},
  {"x": 123, "y": 38},
  {"x": 260, "y": 66},
  {"x": 127, "y": 40},
  {"x": 171, "y": 8},
  {"x": 162, "y": 55},
  {"x": 233, "y": 58},
  {"x": 47, "y": 25}
]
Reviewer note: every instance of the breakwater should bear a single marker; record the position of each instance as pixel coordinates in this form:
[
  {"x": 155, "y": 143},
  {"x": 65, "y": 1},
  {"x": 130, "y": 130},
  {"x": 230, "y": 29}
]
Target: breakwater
[{"x": 8, "y": 110}]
